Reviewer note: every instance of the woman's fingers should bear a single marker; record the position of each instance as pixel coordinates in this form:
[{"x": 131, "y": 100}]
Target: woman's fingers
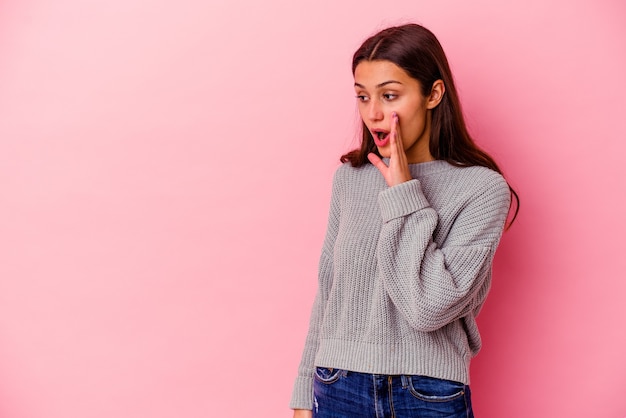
[
  {"x": 382, "y": 167},
  {"x": 378, "y": 163},
  {"x": 398, "y": 170},
  {"x": 396, "y": 138},
  {"x": 393, "y": 137},
  {"x": 398, "y": 164}
]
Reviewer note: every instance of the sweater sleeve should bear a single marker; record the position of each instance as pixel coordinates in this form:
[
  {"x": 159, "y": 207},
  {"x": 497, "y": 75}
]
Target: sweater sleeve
[
  {"x": 433, "y": 285},
  {"x": 302, "y": 395}
]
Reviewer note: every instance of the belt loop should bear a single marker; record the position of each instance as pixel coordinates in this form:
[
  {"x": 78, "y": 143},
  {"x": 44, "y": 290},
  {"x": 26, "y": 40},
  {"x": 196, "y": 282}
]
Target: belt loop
[{"x": 405, "y": 381}]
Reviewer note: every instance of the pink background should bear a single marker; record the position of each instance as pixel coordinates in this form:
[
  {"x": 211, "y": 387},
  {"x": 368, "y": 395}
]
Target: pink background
[{"x": 165, "y": 173}]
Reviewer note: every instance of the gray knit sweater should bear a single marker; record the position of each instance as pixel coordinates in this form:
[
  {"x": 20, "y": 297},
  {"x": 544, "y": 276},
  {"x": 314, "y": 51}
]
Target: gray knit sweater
[{"x": 403, "y": 272}]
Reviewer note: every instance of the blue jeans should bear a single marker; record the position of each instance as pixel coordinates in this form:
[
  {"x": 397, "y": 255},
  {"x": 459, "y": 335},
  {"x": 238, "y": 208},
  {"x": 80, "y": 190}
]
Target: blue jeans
[{"x": 344, "y": 394}]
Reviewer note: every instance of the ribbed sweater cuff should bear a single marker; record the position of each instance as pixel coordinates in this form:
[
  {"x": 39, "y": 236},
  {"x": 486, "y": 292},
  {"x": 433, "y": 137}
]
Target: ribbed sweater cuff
[
  {"x": 302, "y": 396},
  {"x": 401, "y": 200}
]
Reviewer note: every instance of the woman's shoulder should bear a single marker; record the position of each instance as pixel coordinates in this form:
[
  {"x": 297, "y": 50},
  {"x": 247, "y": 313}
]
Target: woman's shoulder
[
  {"x": 439, "y": 170},
  {"x": 482, "y": 174},
  {"x": 467, "y": 183},
  {"x": 346, "y": 172},
  {"x": 486, "y": 185}
]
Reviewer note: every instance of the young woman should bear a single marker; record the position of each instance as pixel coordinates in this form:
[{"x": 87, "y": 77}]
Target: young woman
[{"x": 416, "y": 215}]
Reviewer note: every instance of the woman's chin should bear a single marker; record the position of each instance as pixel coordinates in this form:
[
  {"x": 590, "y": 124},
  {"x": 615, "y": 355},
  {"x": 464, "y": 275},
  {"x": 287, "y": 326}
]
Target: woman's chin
[{"x": 384, "y": 151}]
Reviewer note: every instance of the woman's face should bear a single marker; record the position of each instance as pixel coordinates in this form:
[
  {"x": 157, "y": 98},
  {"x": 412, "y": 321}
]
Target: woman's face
[{"x": 382, "y": 88}]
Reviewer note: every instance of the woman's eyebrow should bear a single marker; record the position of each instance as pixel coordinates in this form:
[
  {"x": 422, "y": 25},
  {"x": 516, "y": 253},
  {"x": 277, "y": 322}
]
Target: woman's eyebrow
[{"x": 383, "y": 84}]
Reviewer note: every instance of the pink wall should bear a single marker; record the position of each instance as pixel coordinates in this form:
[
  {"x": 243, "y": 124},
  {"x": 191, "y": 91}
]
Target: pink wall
[{"x": 164, "y": 178}]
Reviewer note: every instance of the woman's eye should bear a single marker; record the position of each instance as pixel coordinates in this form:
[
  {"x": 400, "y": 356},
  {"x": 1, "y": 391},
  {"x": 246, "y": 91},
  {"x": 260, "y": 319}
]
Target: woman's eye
[
  {"x": 389, "y": 96},
  {"x": 362, "y": 98}
]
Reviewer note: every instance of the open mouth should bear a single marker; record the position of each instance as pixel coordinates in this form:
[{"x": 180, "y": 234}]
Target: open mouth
[
  {"x": 381, "y": 138},
  {"x": 381, "y": 135}
]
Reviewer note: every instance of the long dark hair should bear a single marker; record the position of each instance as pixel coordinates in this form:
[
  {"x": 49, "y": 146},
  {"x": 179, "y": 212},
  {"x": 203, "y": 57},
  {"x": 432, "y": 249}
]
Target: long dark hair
[{"x": 417, "y": 51}]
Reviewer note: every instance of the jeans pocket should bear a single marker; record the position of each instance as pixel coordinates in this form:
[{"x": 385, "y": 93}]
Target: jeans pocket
[
  {"x": 430, "y": 389},
  {"x": 327, "y": 375}
]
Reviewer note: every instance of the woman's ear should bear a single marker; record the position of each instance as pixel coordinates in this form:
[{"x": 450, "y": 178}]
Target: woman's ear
[{"x": 436, "y": 94}]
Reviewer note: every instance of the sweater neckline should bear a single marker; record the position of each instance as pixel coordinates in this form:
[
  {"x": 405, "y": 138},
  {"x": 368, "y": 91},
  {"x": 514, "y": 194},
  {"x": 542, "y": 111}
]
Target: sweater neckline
[{"x": 428, "y": 167}]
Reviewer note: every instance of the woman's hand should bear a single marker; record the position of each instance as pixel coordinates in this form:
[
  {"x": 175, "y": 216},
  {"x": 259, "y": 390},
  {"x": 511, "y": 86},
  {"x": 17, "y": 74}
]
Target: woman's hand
[
  {"x": 398, "y": 170},
  {"x": 302, "y": 413}
]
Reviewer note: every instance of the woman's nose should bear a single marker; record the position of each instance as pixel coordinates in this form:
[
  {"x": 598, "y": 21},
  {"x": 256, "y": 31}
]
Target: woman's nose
[{"x": 375, "y": 112}]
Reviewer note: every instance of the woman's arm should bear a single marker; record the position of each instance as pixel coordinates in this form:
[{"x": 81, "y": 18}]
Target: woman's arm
[
  {"x": 431, "y": 285},
  {"x": 302, "y": 396}
]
